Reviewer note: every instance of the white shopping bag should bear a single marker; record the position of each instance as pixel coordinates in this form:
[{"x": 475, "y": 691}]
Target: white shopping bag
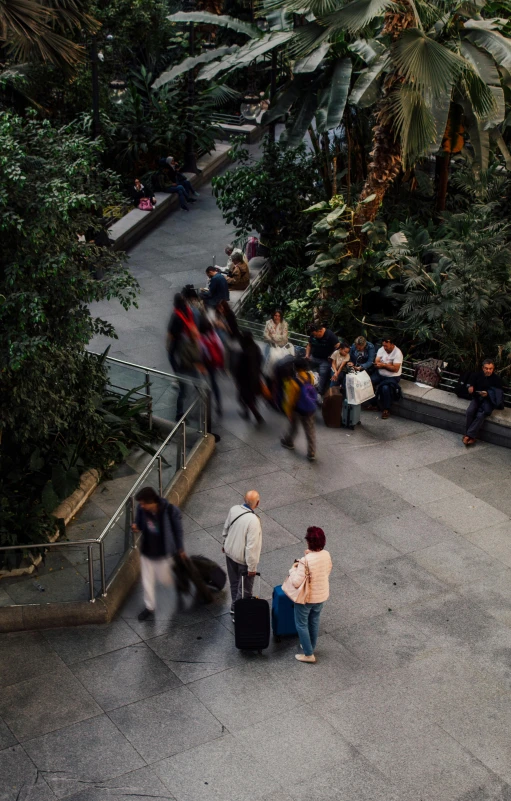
[
  {"x": 359, "y": 388},
  {"x": 275, "y": 355}
]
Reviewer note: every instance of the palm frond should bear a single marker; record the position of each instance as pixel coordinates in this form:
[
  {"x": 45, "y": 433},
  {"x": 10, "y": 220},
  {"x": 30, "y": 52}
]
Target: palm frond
[
  {"x": 425, "y": 63},
  {"x": 414, "y": 122},
  {"x": 190, "y": 63},
  {"x": 356, "y": 15}
]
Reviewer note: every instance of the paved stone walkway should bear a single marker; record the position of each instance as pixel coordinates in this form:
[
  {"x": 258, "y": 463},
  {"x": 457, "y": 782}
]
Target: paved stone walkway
[{"x": 410, "y": 699}]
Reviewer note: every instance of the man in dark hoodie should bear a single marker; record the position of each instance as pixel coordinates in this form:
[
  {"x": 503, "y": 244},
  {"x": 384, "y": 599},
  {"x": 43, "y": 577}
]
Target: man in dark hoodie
[
  {"x": 162, "y": 538},
  {"x": 486, "y": 392}
]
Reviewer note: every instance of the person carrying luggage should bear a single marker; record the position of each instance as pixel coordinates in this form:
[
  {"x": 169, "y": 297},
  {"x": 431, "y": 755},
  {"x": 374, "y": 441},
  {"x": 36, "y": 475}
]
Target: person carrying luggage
[
  {"x": 242, "y": 541},
  {"x": 162, "y": 539},
  {"x": 299, "y": 405},
  {"x": 309, "y": 588}
]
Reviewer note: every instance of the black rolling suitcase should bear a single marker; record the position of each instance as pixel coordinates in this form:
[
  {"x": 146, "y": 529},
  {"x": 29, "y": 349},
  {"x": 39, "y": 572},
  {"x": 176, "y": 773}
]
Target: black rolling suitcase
[{"x": 251, "y": 622}]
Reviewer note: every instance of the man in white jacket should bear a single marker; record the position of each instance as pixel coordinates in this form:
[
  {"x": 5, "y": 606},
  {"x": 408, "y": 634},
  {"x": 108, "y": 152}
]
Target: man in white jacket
[{"x": 242, "y": 540}]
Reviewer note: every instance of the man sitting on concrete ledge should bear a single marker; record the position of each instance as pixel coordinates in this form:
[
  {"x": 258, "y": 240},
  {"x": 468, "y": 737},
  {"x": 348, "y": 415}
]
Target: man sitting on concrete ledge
[
  {"x": 389, "y": 361},
  {"x": 239, "y": 277},
  {"x": 486, "y": 392},
  {"x": 218, "y": 288}
]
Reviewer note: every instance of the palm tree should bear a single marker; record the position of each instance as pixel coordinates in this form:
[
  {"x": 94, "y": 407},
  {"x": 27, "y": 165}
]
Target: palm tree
[
  {"x": 36, "y": 30},
  {"x": 417, "y": 64}
]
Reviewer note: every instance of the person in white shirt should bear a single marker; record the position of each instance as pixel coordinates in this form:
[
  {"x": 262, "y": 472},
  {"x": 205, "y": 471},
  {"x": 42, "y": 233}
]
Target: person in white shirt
[
  {"x": 242, "y": 540},
  {"x": 389, "y": 364}
]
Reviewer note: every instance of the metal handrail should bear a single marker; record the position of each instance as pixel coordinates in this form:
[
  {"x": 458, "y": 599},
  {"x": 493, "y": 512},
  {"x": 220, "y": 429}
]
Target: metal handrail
[
  {"x": 180, "y": 427},
  {"x": 195, "y": 382}
]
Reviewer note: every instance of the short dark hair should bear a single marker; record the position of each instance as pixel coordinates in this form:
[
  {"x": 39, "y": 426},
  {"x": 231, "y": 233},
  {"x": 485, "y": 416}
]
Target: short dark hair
[
  {"x": 489, "y": 361},
  {"x": 147, "y": 495},
  {"x": 189, "y": 292},
  {"x": 316, "y": 539},
  {"x": 316, "y": 325},
  {"x": 212, "y": 268},
  {"x": 301, "y": 363},
  {"x": 388, "y": 338},
  {"x": 343, "y": 344}
]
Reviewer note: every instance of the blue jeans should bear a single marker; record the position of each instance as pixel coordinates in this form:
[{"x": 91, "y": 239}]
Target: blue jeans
[
  {"x": 187, "y": 186},
  {"x": 323, "y": 367},
  {"x": 477, "y": 412},
  {"x": 181, "y": 192},
  {"x": 383, "y": 383},
  {"x": 307, "y": 625}
]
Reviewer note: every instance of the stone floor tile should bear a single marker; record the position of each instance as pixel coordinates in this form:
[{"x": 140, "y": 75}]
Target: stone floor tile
[
  {"x": 456, "y": 561},
  {"x": 497, "y": 494},
  {"x": 294, "y": 743},
  {"x": 85, "y": 753},
  {"x": 277, "y": 489},
  {"x": 7, "y": 738},
  {"x": 60, "y": 587},
  {"x": 24, "y": 655},
  {"x": 464, "y": 513},
  {"x": 167, "y": 724},
  {"x": 138, "y": 784},
  {"x": 247, "y": 694},
  {"x": 366, "y": 502},
  {"x": 383, "y": 642},
  {"x": 420, "y": 486},
  {"x": 84, "y": 642},
  {"x": 492, "y": 595},
  {"x": 355, "y": 779},
  {"x": 297, "y": 517},
  {"x": 495, "y": 541},
  {"x": 242, "y": 464},
  {"x": 172, "y": 611},
  {"x": 348, "y": 604},
  {"x": 398, "y": 581},
  {"x": 410, "y": 530},
  {"x": 223, "y": 770},
  {"x": 428, "y": 764},
  {"x": 356, "y": 547},
  {"x": 320, "y": 476},
  {"x": 484, "y": 731},
  {"x": 470, "y": 470},
  {"x": 193, "y": 652},
  {"x": 124, "y": 676},
  {"x": 211, "y": 507},
  {"x": 20, "y": 779},
  {"x": 32, "y": 707}
]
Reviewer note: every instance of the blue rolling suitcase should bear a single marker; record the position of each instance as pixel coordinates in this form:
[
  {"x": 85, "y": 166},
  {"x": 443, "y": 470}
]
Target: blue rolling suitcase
[
  {"x": 350, "y": 415},
  {"x": 282, "y": 614}
]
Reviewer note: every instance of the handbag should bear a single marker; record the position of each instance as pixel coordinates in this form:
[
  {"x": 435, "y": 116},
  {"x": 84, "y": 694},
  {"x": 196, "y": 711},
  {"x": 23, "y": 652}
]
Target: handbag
[
  {"x": 145, "y": 204},
  {"x": 429, "y": 372},
  {"x": 301, "y": 594},
  {"x": 276, "y": 354},
  {"x": 359, "y": 388}
]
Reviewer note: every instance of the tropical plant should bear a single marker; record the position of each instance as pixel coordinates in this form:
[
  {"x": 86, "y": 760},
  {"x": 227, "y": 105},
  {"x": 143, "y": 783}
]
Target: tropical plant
[
  {"x": 422, "y": 68},
  {"x": 36, "y": 29},
  {"x": 268, "y": 194}
]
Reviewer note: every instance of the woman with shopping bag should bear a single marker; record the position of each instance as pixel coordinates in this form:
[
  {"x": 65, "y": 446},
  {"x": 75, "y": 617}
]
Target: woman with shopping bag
[
  {"x": 277, "y": 338},
  {"x": 307, "y": 586}
]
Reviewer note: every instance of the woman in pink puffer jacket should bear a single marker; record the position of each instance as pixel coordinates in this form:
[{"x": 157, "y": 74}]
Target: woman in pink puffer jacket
[{"x": 319, "y": 564}]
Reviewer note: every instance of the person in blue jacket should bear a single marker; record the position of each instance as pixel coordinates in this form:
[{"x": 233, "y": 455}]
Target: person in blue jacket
[
  {"x": 362, "y": 355},
  {"x": 161, "y": 527},
  {"x": 218, "y": 288}
]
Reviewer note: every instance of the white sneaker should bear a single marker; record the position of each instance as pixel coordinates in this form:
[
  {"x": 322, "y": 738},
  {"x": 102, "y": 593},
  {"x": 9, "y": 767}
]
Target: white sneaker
[{"x": 303, "y": 658}]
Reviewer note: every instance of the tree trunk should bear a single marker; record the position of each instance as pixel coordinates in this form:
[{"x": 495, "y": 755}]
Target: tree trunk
[
  {"x": 386, "y": 161},
  {"x": 442, "y": 164}
]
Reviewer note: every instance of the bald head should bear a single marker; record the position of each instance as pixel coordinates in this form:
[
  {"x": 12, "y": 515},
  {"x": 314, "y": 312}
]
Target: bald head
[{"x": 252, "y": 499}]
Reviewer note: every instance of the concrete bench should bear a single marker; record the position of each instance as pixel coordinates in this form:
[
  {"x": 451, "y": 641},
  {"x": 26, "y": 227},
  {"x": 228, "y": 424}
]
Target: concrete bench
[
  {"x": 136, "y": 224},
  {"x": 442, "y": 409}
]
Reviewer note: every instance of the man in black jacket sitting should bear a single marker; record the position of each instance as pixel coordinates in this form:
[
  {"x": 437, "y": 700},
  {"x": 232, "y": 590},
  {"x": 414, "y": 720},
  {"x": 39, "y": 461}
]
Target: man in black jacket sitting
[
  {"x": 486, "y": 391},
  {"x": 218, "y": 288}
]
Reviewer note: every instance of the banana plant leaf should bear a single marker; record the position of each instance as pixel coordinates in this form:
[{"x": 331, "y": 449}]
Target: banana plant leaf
[
  {"x": 245, "y": 55},
  {"x": 365, "y": 89},
  {"x": 487, "y": 94},
  {"x": 205, "y": 17},
  {"x": 338, "y": 93},
  {"x": 312, "y": 62},
  {"x": 302, "y": 121},
  {"x": 503, "y": 149},
  {"x": 191, "y": 62},
  {"x": 282, "y": 102},
  {"x": 495, "y": 44},
  {"x": 367, "y": 49},
  {"x": 479, "y": 138},
  {"x": 279, "y": 19}
]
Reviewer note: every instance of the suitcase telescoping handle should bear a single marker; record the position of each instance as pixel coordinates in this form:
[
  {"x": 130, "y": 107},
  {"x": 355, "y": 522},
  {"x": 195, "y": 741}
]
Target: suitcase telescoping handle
[{"x": 243, "y": 585}]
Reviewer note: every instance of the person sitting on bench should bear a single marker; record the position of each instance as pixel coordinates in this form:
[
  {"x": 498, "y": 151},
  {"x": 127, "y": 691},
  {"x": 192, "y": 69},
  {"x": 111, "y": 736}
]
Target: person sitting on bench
[
  {"x": 486, "y": 391},
  {"x": 239, "y": 277}
]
